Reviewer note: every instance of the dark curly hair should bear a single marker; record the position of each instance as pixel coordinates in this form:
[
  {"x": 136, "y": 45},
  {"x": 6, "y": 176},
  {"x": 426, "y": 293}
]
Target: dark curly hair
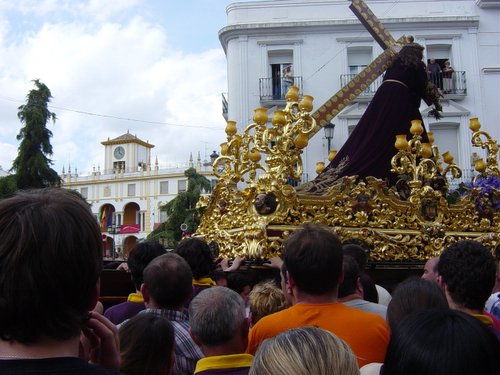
[
  {"x": 411, "y": 55},
  {"x": 198, "y": 255},
  {"x": 468, "y": 269}
]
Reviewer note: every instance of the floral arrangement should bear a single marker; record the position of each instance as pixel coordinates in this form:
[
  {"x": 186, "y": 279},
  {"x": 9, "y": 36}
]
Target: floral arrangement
[
  {"x": 432, "y": 95},
  {"x": 487, "y": 193}
]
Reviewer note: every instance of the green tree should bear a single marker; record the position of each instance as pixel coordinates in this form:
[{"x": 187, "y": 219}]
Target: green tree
[
  {"x": 32, "y": 165},
  {"x": 182, "y": 210},
  {"x": 7, "y": 186}
]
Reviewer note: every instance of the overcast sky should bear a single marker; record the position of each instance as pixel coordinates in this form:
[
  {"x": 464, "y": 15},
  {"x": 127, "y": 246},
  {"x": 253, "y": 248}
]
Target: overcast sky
[{"x": 158, "y": 61}]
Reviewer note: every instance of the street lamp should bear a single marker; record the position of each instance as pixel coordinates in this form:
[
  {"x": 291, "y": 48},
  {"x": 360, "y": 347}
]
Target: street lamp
[
  {"x": 112, "y": 229},
  {"x": 214, "y": 155},
  {"x": 329, "y": 129}
]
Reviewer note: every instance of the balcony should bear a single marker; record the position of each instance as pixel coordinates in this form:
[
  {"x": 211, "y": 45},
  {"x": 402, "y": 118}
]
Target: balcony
[
  {"x": 272, "y": 90},
  {"x": 452, "y": 88}
]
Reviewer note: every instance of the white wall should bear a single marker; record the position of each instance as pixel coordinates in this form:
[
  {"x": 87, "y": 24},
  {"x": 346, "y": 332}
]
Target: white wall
[{"x": 320, "y": 31}]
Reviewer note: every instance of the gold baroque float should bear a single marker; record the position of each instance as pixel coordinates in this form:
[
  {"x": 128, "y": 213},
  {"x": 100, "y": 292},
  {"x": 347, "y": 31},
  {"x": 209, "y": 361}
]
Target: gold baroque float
[{"x": 253, "y": 207}]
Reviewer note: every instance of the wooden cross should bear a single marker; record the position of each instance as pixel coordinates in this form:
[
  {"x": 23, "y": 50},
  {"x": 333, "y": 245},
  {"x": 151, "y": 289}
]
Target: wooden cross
[{"x": 324, "y": 114}]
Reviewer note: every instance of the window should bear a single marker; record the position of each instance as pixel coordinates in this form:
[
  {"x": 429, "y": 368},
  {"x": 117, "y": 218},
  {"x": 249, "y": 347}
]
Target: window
[
  {"x": 131, "y": 190},
  {"x": 163, "y": 187},
  {"x": 282, "y": 74},
  {"x": 181, "y": 185},
  {"x": 358, "y": 58},
  {"x": 282, "y": 79},
  {"x": 163, "y": 216},
  {"x": 118, "y": 166},
  {"x": 446, "y": 138},
  {"x": 85, "y": 192}
]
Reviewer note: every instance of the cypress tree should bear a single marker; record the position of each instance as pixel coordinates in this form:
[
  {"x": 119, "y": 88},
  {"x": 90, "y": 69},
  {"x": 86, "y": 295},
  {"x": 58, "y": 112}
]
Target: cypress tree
[{"x": 32, "y": 165}]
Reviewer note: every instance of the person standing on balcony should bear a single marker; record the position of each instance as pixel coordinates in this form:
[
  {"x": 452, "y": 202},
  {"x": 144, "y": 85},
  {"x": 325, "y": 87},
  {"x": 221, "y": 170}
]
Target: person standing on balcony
[
  {"x": 287, "y": 78},
  {"x": 434, "y": 72},
  {"x": 447, "y": 77}
]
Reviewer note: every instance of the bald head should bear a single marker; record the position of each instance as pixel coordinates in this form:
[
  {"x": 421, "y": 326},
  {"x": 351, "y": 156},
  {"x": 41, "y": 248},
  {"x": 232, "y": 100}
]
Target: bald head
[{"x": 430, "y": 270}]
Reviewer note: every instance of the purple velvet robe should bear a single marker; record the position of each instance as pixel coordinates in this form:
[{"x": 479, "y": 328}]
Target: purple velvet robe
[{"x": 370, "y": 147}]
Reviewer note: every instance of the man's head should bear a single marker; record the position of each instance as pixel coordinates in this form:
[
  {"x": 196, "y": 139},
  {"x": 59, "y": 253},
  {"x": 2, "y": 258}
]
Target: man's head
[
  {"x": 50, "y": 262},
  {"x": 431, "y": 270},
  {"x": 351, "y": 283},
  {"x": 467, "y": 274},
  {"x": 358, "y": 252},
  {"x": 198, "y": 255},
  {"x": 313, "y": 259},
  {"x": 217, "y": 318},
  {"x": 139, "y": 258},
  {"x": 167, "y": 282}
]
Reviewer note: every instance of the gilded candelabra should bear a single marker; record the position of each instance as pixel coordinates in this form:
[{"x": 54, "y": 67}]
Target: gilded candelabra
[
  {"x": 491, "y": 146},
  {"x": 414, "y": 157},
  {"x": 421, "y": 160},
  {"x": 281, "y": 142}
]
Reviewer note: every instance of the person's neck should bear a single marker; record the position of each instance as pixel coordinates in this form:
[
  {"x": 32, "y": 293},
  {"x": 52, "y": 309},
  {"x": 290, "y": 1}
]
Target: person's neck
[
  {"x": 234, "y": 346},
  {"x": 350, "y": 297},
  {"x": 455, "y": 306},
  {"x": 301, "y": 297},
  {"x": 153, "y": 305},
  {"x": 43, "y": 348}
]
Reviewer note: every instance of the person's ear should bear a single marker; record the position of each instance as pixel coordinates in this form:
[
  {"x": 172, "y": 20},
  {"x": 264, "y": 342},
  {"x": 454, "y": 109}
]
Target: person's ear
[
  {"x": 290, "y": 282},
  {"x": 359, "y": 286},
  {"x": 341, "y": 277},
  {"x": 194, "y": 337},
  {"x": 95, "y": 295},
  {"x": 145, "y": 293},
  {"x": 440, "y": 282}
]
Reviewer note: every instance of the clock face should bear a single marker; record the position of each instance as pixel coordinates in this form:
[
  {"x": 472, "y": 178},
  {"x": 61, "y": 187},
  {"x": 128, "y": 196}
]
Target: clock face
[{"x": 119, "y": 152}]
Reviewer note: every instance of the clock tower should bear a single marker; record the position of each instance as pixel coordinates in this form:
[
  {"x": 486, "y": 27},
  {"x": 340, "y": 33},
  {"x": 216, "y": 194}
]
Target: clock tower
[{"x": 126, "y": 153}]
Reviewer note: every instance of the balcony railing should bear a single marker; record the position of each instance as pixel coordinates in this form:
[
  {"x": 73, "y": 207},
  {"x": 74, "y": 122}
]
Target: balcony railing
[
  {"x": 456, "y": 85},
  {"x": 224, "y": 105},
  {"x": 274, "y": 89}
]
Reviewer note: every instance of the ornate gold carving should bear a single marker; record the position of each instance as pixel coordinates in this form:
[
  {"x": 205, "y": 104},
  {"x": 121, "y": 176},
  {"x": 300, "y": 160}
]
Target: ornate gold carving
[{"x": 253, "y": 208}]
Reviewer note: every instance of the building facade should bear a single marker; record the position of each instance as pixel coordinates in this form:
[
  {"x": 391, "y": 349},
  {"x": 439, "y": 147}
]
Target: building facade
[
  {"x": 319, "y": 45},
  {"x": 127, "y": 194}
]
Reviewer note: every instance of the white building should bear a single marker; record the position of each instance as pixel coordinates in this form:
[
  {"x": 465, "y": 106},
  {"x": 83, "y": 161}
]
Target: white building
[
  {"x": 324, "y": 45},
  {"x": 127, "y": 194}
]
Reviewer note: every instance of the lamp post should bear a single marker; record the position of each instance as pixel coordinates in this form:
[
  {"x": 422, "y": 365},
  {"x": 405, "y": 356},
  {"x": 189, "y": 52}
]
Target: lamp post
[
  {"x": 214, "y": 155},
  {"x": 112, "y": 230},
  {"x": 329, "y": 129}
]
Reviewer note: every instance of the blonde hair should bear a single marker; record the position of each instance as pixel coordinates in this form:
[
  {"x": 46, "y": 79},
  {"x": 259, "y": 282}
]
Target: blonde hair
[
  {"x": 266, "y": 298},
  {"x": 304, "y": 351}
]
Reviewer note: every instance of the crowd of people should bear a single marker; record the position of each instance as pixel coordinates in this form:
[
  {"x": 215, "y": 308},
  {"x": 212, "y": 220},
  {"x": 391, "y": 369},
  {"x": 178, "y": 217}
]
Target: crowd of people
[{"x": 322, "y": 316}]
